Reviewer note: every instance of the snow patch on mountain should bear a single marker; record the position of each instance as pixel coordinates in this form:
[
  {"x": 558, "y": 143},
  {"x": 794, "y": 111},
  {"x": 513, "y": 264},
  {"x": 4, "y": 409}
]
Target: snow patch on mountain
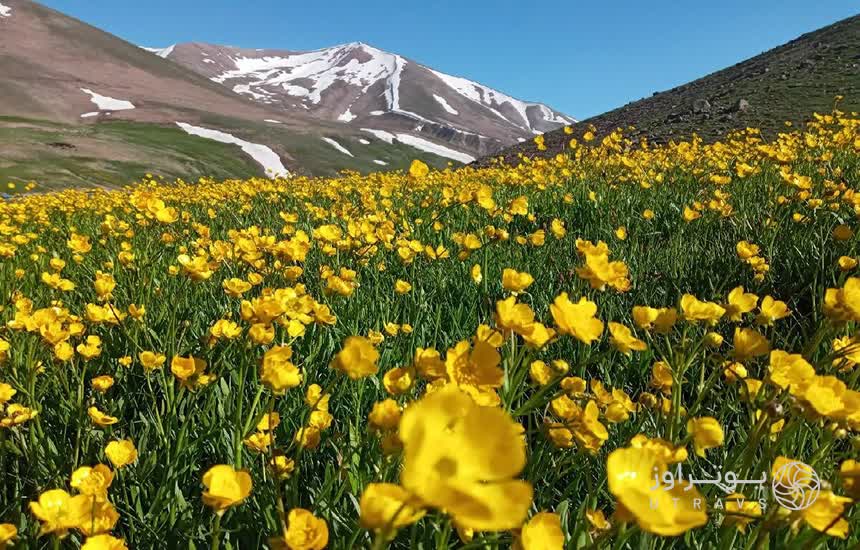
[
  {"x": 106, "y": 103},
  {"x": 263, "y": 155},
  {"x": 273, "y": 121},
  {"x": 444, "y": 103},
  {"x": 387, "y": 137},
  {"x": 90, "y": 115},
  {"x": 320, "y": 68},
  {"x": 549, "y": 116},
  {"x": 162, "y": 52},
  {"x": 347, "y": 115},
  {"x": 493, "y": 99},
  {"x": 5, "y": 11},
  {"x": 430, "y": 147},
  {"x": 337, "y": 146},
  {"x": 363, "y": 141},
  {"x": 380, "y": 162}
]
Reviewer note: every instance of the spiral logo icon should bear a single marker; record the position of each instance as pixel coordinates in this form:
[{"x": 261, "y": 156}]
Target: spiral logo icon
[{"x": 795, "y": 486}]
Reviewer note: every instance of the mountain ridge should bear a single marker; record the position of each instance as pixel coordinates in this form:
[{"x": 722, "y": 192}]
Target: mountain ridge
[{"x": 359, "y": 84}]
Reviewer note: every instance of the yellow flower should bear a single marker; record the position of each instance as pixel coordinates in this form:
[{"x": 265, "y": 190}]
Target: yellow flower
[
  {"x": 101, "y": 419},
  {"x": 225, "y": 487},
  {"x": 278, "y": 372},
  {"x": 826, "y": 394},
  {"x": 386, "y": 507},
  {"x": 624, "y": 340},
  {"x": 183, "y": 367},
  {"x": 104, "y": 542},
  {"x": 398, "y": 381},
  {"x": 578, "y": 319},
  {"x": 90, "y": 349},
  {"x": 690, "y": 214},
  {"x": 542, "y": 532},
  {"x": 519, "y": 206},
  {"x": 847, "y": 263},
  {"x": 849, "y": 473},
  {"x": 826, "y": 514},
  {"x": 513, "y": 316},
  {"x": 475, "y": 370},
  {"x": 93, "y": 481},
  {"x": 514, "y": 281},
  {"x": 316, "y": 399},
  {"x": 58, "y": 511},
  {"x": 235, "y": 287},
  {"x": 631, "y": 472},
  {"x": 104, "y": 285},
  {"x": 748, "y": 344},
  {"x": 402, "y": 287},
  {"x": 97, "y": 515},
  {"x": 740, "y": 302},
  {"x": 259, "y": 441},
  {"x": 476, "y": 274},
  {"x": 772, "y": 310},
  {"x": 7, "y": 392},
  {"x": 8, "y": 533},
  {"x": 600, "y": 272},
  {"x": 151, "y": 360},
  {"x": 385, "y": 415},
  {"x": 843, "y": 304},
  {"x": 621, "y": 233},
  {"x": 462, "y": 458},
  {"x": 696, "y": 310},
  {"x": 661, "y": 377},
  {"x": 102, "y": 383},
  {"x": 269, "y": 422},
  {"x": 357, "y": 359},
  {"x": 282, "y": 466},
  {"x": 121, "y": 453},
  {"x": 418, "y": 169},
  {"x": 790, "y": 371},
  {"x": 648, "y": 214},
  {"x": 746, "y": 250},
  {"x": 304, "y": 530},
  {"x": 706, "y": 432},
  {"x": 842, "y": 232}
]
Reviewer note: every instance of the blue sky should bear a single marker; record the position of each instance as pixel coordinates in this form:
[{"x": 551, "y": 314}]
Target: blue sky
[{"x": 582, "y": 58}]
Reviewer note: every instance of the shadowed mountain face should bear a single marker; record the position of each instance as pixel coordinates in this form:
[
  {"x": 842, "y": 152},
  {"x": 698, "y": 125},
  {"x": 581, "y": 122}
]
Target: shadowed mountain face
[
  {"x": 364, "y": 87},
  {"x": 786, "y": 83}
]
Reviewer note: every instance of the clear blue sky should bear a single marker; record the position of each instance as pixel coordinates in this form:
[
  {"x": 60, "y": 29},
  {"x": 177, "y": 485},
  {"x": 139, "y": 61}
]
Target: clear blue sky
[{"x": 582, "y": 58}]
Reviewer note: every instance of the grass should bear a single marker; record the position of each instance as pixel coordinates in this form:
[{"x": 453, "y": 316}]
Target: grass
[
  {"x": 161, "y": 150},
  {"x": 181, "y": 432}
]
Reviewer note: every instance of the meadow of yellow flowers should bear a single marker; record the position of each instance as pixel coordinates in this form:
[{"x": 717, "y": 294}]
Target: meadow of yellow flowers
[{"x": 504, "y": 357}]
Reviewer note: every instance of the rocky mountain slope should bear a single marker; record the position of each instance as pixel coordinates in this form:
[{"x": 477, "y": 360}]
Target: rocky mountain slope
[
  {"x": 787, "y": 83},
  {"x": 364, "y": 87}
]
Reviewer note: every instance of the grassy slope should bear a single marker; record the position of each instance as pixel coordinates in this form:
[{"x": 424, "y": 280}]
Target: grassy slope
[
  {"x": 159, "y": 150},
  {"x": 786, "y": 83},
  {"x": 320, "y": 158},
  {"x": 171, "y": 153}
]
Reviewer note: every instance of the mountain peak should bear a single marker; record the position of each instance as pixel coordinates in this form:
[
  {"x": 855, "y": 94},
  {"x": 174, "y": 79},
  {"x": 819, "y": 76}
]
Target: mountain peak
[{"x": 363, "y": 86}]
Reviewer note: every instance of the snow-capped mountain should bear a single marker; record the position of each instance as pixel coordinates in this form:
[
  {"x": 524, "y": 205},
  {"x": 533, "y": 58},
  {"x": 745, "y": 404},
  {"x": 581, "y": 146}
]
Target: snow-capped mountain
[{"x": 367, "y": 88}]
